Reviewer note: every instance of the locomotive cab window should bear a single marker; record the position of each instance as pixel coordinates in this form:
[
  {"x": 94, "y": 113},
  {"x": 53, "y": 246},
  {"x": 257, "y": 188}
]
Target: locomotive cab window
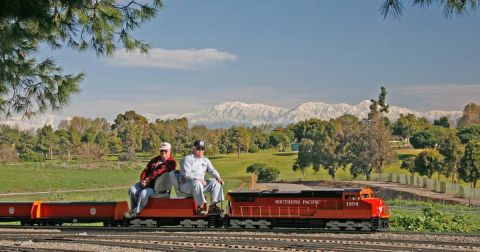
[{"x": 351, "y": 197}]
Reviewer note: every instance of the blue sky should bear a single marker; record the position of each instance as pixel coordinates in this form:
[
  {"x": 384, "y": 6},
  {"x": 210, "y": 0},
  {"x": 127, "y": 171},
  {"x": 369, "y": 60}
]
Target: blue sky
[{"x": 283, "y": 53}]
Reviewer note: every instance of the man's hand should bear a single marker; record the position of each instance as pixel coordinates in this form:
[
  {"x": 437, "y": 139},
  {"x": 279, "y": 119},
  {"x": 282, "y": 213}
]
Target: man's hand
[
  {"x": 220, "y": 180},
  {"x": 204, "y": 183},
  {"x": 144, "y": 183}
]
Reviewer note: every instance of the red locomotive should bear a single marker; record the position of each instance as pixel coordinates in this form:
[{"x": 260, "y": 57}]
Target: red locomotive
[
  {"x": 346, "y": 209},
  {"x": 336, "y": 209}
]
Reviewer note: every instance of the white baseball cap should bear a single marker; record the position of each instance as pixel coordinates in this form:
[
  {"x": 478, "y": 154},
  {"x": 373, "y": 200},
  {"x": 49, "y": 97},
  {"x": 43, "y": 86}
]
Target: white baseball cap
[{"x": 165, "y": 146}]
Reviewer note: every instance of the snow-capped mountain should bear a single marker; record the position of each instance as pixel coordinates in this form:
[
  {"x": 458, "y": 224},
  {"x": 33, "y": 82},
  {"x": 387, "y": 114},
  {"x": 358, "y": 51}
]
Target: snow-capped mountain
[
  {"x": 34, "y": 122},
  {"x": 237, "y": 113}
]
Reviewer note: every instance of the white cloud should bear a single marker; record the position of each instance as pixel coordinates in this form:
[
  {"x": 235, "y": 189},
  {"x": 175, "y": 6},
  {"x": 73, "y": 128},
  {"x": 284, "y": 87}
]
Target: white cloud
[{"x": 187, "y": 59}]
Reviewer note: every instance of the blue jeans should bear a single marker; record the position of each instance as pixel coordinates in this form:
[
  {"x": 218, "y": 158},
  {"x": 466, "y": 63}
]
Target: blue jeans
[{"x": 139, "y": 196}]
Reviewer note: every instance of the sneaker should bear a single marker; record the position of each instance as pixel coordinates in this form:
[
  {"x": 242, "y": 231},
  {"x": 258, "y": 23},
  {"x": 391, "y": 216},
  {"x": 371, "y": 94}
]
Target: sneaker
[
  {"x": 214, "y": 209},
  {"x": 201, "y": 210},
  {"x": 130, "y": 214}
]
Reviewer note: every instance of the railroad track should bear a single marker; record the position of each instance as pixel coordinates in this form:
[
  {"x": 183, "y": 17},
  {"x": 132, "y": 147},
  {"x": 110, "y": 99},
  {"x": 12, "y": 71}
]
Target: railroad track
[{"x": 101, "y": 239}]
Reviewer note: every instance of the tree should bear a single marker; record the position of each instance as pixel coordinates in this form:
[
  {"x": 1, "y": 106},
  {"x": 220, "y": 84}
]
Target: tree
[
  {"x": 469, "y": 133},
  {"x": 428, "y": 162},
  {"x": 305, "y": 156},
  {"x": 450, "y": 8},
  {"x": 409, "y": 164},
  {"x": 74, "y": 137},
  {"x": 114, "y": 143},
  {"x": 429, "y": 138},
  {"x": 29, "y": 86},
  {"x": 280, "y": 139},
  {"x": 442, "y": 121},
  {"x": 176, "y": 132},
  {"x": 369, "y": 149},
  {"x": 241, "y": 139},
  {"x": 407, "y": 125},
  {"x": 235, "y": 138},
  {"x": 47, "y": 140},
  {"x": 330, "y": 149},
  {"x": 101, "y": 139},
  {"x": 260, "y": 136},
  {"x": 471, "y": 115},
  {"x": 307, "y": 128},
  {"x": 133, "y": 129},
  {"x": 64, "y": 142},
  {"x": 470, "y": 163},
  {"x": 423, "y": 139},
  {"x": 451, "y": 148},
  {"x": 89, "y": 135},
  {"x": 377, "y": 107}
]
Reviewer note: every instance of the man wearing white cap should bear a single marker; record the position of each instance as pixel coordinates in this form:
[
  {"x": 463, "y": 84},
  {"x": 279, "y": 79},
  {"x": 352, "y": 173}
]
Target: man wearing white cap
[
  {"x": 193, "y": 169},
  {"x": 142, "y": 190}
]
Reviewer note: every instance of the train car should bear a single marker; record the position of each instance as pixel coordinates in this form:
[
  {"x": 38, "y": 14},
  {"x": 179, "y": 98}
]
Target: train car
[
  {"x": 172, "y": 208},
  {"x": 16, "y": 211},
  {"x": 57, "y": 213},
  {"x": 336, "y": 209},
  {"x": 173, "y": 212}
]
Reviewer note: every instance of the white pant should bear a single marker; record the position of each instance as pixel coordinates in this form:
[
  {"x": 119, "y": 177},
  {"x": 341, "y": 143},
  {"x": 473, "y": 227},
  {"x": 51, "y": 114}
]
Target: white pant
[{"x": 196, "y": 188}]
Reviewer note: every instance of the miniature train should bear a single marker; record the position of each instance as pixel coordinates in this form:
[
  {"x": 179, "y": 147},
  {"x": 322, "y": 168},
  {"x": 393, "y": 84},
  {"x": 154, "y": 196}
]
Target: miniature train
[{"x": 333, "y": 209}]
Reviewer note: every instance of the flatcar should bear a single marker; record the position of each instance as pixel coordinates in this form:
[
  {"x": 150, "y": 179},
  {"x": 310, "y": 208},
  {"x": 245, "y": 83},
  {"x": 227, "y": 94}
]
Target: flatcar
[
  {"x": 16, "y": 211},
  {"x": 57, "y": 213}
]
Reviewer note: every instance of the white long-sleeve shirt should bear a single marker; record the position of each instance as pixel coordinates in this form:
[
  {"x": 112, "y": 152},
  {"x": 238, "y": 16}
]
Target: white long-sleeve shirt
[{"x": 194, "y": 168}]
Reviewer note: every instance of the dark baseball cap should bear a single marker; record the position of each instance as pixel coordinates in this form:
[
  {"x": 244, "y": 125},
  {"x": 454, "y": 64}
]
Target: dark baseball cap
[{"x": 199, "y": 144}]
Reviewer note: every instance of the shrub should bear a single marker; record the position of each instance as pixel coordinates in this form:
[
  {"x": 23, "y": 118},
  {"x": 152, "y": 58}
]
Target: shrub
[
  {"x": 91, "y": 151},
  {"x": 264, "y": 173},
  {"x": 255, "y": 168},
  {"x": 125, "y": 156},
  {"x": 433, "y": 220},
  {"x": 8, "y": 153},
  {"x": 269, "y": 174},
  {"x": 253, "y": 148},
  {"x": 32, "y": 156}
]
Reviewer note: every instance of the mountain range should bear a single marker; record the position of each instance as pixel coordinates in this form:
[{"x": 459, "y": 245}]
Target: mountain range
[{"x": 226, "y": 114}]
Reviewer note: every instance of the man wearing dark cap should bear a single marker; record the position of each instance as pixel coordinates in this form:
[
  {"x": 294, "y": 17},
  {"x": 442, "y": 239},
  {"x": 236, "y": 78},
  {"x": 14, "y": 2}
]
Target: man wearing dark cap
[
  {"x": 194, "y": 167},
  {"x": 143, "y": 189}
]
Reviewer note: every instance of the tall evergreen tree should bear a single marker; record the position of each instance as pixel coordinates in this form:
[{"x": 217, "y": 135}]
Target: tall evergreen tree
[{"x": 29, "y": 85}]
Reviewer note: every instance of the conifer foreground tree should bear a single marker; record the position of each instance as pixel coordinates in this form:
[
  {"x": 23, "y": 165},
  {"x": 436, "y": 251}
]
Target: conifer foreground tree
[
  {"x": 29, "y": 85},
  {"x": 450, "y": 7}
]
